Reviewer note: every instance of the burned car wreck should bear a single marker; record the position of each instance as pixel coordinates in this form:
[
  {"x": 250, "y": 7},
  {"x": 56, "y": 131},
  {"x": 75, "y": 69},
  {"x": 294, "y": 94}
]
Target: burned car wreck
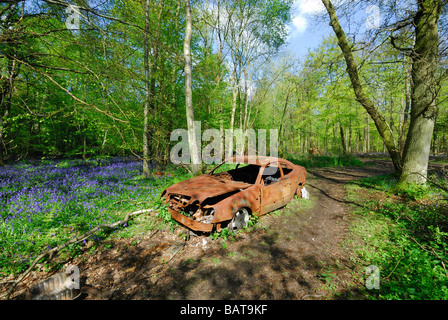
[{"x": 227, "y": 197}]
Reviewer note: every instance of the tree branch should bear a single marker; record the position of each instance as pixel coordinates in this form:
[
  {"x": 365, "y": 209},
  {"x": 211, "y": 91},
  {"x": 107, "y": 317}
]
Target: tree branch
[
  {"x": 66, "y": 90},
  {"x": 406, "y": 51}
]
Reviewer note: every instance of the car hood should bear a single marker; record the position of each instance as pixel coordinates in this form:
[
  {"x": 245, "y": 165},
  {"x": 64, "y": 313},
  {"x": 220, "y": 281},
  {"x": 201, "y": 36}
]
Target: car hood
[{"x": 205, "y": 186}]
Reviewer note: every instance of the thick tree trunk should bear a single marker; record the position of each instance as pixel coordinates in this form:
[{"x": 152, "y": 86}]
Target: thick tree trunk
[
  {"x": 424, "y": 93},
  {"x": 194, "y": 153}
]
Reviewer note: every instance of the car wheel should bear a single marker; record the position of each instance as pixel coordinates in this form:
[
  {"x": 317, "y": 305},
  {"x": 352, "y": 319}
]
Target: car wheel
[{"x": 240, "y": 220}]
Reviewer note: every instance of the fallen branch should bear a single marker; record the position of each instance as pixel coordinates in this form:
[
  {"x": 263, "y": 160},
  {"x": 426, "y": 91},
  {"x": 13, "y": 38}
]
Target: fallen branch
[
  {"x": 435, "y": 253},
  {"x": 51, "y": 252},
  {"x": 434, "y": 183},
  {"x": 443, "y": 265}
]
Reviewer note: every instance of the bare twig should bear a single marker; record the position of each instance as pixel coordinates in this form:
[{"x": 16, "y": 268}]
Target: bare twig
[
  {"x": 394, "y": 268},
  {"x": 434, "y": 183},
  {"x": 435, "y": 253},
  {"x": 443, "y": 265}
]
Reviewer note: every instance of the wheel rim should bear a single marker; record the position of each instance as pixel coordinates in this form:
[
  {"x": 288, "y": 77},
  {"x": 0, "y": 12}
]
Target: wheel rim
[{"x": 240, "y": 220}]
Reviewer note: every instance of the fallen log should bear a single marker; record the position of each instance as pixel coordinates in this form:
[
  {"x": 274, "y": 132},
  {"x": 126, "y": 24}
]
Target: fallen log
[{"x": 82, "y": 237}]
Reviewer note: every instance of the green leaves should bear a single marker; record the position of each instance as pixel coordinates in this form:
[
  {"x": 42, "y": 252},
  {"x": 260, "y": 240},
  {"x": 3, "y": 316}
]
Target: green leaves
[{"x": 406, "y": 239}]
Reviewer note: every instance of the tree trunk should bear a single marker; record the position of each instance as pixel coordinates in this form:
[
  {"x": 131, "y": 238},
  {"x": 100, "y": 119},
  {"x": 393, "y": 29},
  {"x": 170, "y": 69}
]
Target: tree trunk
[
  {"x": 246, "y": 97},
  {"x": 404, "y": 125},
  {"x": 367, "y": 137},
  {"x": 154, "y": 137},
  {"x": 283, "y": 114},
  {"x": 350, "y": 147},
  {"x": 150, "y": 88},
  {"x": 195, "y": 161},
  {"x": 173, "y": 100},
  {"x": 341, "y": 130},
  {"x": 424, "y": 93},
  {"x": 352, "y": 69},
  {"x": 234, "y": 97},
  {"x": 6, "y": 91},
  {"x": 147, "y": 96}
]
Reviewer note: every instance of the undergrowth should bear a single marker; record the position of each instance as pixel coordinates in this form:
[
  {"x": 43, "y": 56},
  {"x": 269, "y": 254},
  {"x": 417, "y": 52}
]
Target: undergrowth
[
  {"x": 405, "y": 235},
  {"x": 46, "y": 203},
  {"x": 310, "y": 161}
]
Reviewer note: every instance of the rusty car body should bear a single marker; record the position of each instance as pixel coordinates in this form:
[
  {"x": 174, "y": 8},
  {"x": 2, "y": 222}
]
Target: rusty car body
[{"x": 218, "y": 199}]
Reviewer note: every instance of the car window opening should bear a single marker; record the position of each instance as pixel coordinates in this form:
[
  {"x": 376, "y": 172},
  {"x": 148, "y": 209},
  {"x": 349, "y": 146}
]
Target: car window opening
[
  {"x": 246, "y": 173},
  {"x": 286, "y": 169},
  {"x": 271, "y": 174}
]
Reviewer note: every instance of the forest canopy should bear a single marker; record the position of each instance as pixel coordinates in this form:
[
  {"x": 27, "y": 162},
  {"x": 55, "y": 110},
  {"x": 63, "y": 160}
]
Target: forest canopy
[
  {"x": 97, "y": 96},
  {"x": 76, "y": 77}
]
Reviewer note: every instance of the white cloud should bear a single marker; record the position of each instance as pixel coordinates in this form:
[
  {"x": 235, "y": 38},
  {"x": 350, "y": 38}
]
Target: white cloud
[
  {"x": 310, "y": 6},
  {"x": 304, "y": 9},
  {"x": 300, "y": 24}
]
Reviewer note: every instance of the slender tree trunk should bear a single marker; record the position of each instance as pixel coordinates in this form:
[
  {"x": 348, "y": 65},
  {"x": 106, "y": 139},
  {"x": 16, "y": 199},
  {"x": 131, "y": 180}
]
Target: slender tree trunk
[
  {"x": 424, "y": 93},
  {"x": 407, "y": 107},
  {"x": 350, "y": 131},
  {"x": 4, "y": 113},
  {"x": 240, "y": 107},
  {"x": 6, "y": 92},
  {"x": 150, "y": 88},
  {"x": 147, "y": 95},
  {"x": 196, "y": 164},
  {"x": 246, "y": 97},
  {"x": 280, "y": 132},
  {"x": 367, "y": 137},
  {"x": 154, "y": 141},
  {"x": 235, "y": 85},
  {"x": 220, "y": 49},
  {"x": 173, "y": 102},
  {"x": 341, "y": 130}
]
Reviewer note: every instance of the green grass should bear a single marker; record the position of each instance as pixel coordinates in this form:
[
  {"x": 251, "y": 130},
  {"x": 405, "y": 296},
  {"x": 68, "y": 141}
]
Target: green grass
[{"x": 404, "y": 235}]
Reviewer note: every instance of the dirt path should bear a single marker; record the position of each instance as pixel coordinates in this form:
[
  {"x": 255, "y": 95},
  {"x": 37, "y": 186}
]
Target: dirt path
[{"x": 294, "y": 253}]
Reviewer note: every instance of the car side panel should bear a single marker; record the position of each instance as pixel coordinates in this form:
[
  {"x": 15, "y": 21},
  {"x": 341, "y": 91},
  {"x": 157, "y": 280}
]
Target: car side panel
[{"x": 248, "y": 198}]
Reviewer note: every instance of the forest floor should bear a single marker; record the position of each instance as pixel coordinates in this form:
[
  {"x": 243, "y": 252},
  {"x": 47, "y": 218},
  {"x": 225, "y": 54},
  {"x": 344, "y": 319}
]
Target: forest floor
[{"x": 298, "y": 252}]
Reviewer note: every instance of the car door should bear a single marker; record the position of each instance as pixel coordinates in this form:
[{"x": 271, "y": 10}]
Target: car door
[
  {"x": 274, "y": 189},
  {"x": 289, "y": 185}
]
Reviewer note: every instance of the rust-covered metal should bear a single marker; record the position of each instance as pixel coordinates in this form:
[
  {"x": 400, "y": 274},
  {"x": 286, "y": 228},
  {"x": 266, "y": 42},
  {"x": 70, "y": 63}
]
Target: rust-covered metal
[{"x": 256, "y": 185}]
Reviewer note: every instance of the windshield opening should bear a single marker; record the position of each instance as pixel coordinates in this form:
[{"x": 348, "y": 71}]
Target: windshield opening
[{"x": 242, "y": 172}]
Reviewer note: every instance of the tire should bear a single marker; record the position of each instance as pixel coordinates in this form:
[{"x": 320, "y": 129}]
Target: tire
[{"x": 240, "y": 220}]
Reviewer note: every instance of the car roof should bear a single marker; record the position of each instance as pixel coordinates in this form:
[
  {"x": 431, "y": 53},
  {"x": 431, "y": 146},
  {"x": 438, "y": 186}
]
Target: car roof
[{"x": 258, "y": 160}]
